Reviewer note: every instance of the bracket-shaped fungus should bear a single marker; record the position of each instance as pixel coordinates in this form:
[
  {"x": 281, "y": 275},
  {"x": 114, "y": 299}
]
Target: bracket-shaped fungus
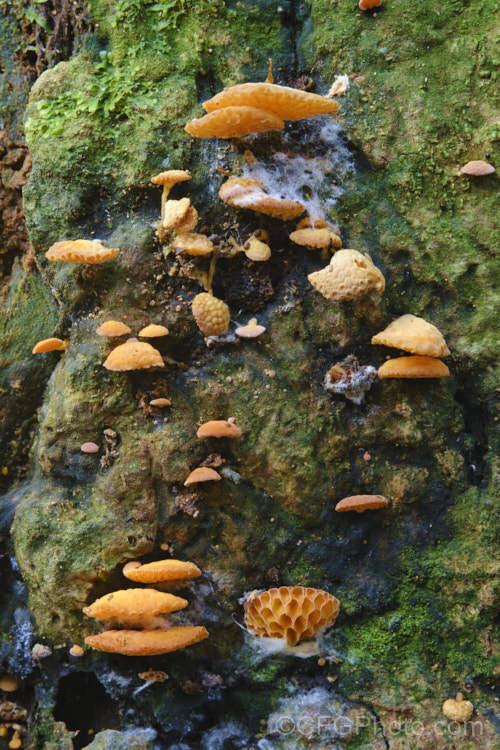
[
  {"x": 318, "y": 237},
  {"x": 81, "y": 251},
  {"x": 153, "y": 331},
  {"x": 477, "y": 168},
  {"x": 415, "y": 335},
  {"x": 134, "y": 355},
  {"x": 219, "y": 428},
  {"x": 134, "y": 603},
  {"x": 202, "y": 474},
  {"x": 283, "y": 101},
  {"x": 112, "y": 328},
  {"x": 146, "y": 642},
  {"x": 49, "y": 345},
  {"x": 189, "y": 243},
  {"x": 243, "y": 192},
  {"x": 360, "y": 503},
  {"x": 290, "y": 613},
  {"x": 349, "y": 275},
  {"x": 160, "y": 570},
  {"x": 234, "y": 122},
  {"x": 413, "y": 367}
]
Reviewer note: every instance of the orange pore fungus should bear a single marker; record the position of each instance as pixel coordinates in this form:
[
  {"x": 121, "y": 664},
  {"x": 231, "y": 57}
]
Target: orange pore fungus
[
  {"x": 413, "y": 367},
  {"x": 290, "y": 613},
  {"x": 359, "y": 503},
  {"x": 146, "y": 642},
  {"x": 283, "y": 101},
  {"x": 161, "y": 570},
  {"x": 234, "y": 122}
]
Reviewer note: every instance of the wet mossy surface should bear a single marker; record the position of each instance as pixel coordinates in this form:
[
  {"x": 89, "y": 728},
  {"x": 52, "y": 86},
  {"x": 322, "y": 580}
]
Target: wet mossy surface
[{"x": 416, "y": 581}]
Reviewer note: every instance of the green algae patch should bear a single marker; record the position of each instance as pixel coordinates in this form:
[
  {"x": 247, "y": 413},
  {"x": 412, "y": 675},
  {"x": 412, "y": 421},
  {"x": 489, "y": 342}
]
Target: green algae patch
[{"x": 28, "y": 315}]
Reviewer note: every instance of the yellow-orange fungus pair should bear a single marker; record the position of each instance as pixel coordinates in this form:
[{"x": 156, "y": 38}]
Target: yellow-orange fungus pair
[
  {"x": 81, "y": 251},
  {"x": 283, "y": 101},
  {"x": 291, "y": 613}
]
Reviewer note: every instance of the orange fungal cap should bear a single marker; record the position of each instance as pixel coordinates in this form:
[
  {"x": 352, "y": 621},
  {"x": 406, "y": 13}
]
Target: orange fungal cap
[
  {"x": 160, "y": 402},
  {"x": 153, "y": 331},
  {"x": 218, "y": 428},
  {"x": 133, "y": 603},
  {"x": 360, "y": 503},
  {"x": 417, "y": 366},
  {"x": 89, "y": 447},
  {"x": 134, "y": 355},
  {"x": 316, "y": 237},
  {"x": 234, "y": 122},
  {"x": 113, "y": 328},
  {"x": 202, "y": 474},
  {"x": 146, "y": 642},
  {"x": 477, "y": 168},
  {"x": 251, "y": 330},
  {"x": 81, "y": 251},
  {"x": 283, "y": 101},
  {"x": 413, "y": 334},
  {"x": 191, "y": 243},
  {"x": 50, "y": 345},
  {"x": 161, "y": 570},
  {"x": 171, "y": 177}
]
